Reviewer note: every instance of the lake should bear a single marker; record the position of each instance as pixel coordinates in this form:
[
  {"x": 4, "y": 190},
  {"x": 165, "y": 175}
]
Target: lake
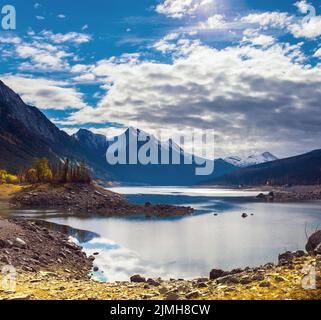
[{"x": 216, "y": 236}]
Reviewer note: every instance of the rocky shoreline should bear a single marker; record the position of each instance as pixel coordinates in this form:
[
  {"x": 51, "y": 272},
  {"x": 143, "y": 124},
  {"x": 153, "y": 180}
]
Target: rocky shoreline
[
  {"x": 50, "y": 267},
  {"x": 290, "y": 194},
  {"x": 270, "y": 282},
  {"x": 30, "y": 247},
  {"x": 89, "y": 199}
]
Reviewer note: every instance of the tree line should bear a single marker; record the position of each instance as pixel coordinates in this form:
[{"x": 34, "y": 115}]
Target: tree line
[{"x": 45, "y": 172}]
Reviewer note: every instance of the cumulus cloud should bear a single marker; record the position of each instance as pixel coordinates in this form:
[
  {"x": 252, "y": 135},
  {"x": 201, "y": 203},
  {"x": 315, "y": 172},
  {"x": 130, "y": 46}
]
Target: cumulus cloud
[
  {"x": 255, "y": 38},
  {"x": 44, "y": 51},
  {"x": 216, "y": 21},
  {"x": 307, "y": 29},
  {"x": 262, "y": 93},
  {"x": 272, "y": 19},
  {"x": 42, "y": 56},
  {"x": 181, "y": 8},
  {"x": 46, "y": 94}
]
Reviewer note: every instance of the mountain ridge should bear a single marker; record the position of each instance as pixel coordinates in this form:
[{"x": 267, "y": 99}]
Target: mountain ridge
[
  {"x": 303, "y": 169},
  {"x": 26, "y": 134}
]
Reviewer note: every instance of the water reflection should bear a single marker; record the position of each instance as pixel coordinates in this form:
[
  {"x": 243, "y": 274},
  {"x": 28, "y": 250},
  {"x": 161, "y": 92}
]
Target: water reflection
[{"x": 191, "y": 246}]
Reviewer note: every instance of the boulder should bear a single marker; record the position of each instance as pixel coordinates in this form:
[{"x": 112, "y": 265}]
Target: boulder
[
  {"x": 193, "y": 295},
  {"x": 137, "y": 278},
  {"x": 172, "y": 296},
  {"x": 236, "y": 271},
  {"x": 20, "y": 243},
  {"x": 217, "y": 273},
  {"x": 153, "y": 282},
  {"x": 299, "y": 254},
  {"x": 230, "y": 279},
  {"x": 313, "y": 242},
  {"x": 286, "y": 258},
  {"x": 265, "y": 284},
  {"x": 257, "y": 277},
  {"x": 244, "y": 215}
]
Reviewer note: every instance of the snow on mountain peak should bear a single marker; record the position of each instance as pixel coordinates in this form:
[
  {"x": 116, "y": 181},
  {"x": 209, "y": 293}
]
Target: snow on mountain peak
[{"x": 251, "y": 160}]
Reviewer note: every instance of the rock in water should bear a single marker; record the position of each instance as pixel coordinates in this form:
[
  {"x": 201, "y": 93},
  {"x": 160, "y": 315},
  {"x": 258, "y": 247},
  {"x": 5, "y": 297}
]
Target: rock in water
[
  {"x": 244, "y": 215},
  {"x": 313, "y": 242}
]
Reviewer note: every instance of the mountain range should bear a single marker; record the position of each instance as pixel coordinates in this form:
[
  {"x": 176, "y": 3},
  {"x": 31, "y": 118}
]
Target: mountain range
[
  {"x": 151, "y": 174},
  {"x": 26, "y": 134},
  {"x": 299, "y": 170}
]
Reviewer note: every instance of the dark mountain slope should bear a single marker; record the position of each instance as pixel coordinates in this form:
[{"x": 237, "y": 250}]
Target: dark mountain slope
[
  {"x": 301, "y": 170},
  {"x": 26, "y": 134}
]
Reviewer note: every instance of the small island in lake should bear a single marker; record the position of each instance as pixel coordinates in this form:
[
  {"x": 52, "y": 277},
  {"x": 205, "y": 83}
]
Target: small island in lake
[{"x": 69, "y": 187}]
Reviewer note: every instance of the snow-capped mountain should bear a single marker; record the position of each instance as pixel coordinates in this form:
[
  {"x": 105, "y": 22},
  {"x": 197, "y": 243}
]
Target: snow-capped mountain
[{"x": 251, "y": 160}]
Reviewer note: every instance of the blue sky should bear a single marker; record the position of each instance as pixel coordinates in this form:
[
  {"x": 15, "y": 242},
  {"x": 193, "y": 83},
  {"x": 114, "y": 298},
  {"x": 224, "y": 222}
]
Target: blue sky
[{"x": 248, "y": 69}]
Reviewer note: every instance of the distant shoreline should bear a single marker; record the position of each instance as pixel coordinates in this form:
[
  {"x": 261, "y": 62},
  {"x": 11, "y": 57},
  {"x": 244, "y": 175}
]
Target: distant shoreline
[{"x": 280, "y": 193}]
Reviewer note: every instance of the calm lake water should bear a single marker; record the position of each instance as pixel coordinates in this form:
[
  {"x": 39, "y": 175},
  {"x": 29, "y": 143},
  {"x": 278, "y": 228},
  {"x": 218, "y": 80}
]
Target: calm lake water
[{"x": 191, "y": 246}]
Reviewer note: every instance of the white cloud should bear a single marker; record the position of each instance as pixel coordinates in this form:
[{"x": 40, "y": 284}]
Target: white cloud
[
  {"x": 10, "y": 39},
  {"x": 85, "y": 27},
  {"x": 85, "y": 78},
  {"x": 302, "y": 6},
  {"x": 255, "y": 38},
  {"x": 73, "y": 37},
  {"x": 61, "y": 16},
  {"x": 215, "y": 22},
  {"x": 307, "y": 29},
  {"x": 37, "y": 5},
  {"x": 181, "y": 8},
  {"x": 233, "y": 90},
  {"x": 46, "y": 94},
  {"x": 272, "y": 19},
  {"x": 42, "y": 56},
  {"x": 40, "y": 18}
]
